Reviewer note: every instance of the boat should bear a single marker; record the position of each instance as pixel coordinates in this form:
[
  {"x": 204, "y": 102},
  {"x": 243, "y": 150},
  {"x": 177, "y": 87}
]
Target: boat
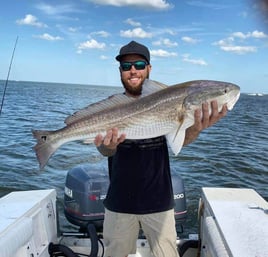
[
  {"x": 256, "y": 94},
  {"x": 233, "y": 222}
]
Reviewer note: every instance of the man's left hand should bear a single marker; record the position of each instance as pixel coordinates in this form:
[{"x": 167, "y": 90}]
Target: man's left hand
[{"x": 203, "y": 120}]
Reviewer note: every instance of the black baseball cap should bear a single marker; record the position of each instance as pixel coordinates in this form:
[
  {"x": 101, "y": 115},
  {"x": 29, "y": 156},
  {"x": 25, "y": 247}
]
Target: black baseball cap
[{"x": 134, "y": 48}]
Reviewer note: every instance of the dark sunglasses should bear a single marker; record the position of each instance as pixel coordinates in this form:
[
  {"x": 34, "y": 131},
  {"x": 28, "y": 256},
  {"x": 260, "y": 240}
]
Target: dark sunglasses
[{"x": 139, "y": 65}]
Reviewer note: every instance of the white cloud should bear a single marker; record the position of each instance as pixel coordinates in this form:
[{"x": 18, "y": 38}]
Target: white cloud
[
  {"x": 211, "y": 5},
  {"x": 254, "y": 34},
  {"x": 90, "y": 44},
  {"x": 228, "y": 45},
  {"x": 189, "y": 40},
  {"x": 74, "y": 29},
  {"x": 48, "y": 37},
  {"x": 239, "y": 49},
  {"x": 56, "y": 10},
  {"x": 162, "y": 53},
  {"x": 258, "y": 34},
  {"x": 132, "y": 22},
  {"x": 239, "y": 35},
  {"x": 165, "y": 42},
  {"x": 137, "y": 32},
  {"x": 31, "y": 21},
  {"x": 104, "y": 57},
  {"x": 194, "y": 61},
  {"x": 100, "y": 33},
  {"x": 152, "y": 4},
  {"x": 170, "y": 32}
]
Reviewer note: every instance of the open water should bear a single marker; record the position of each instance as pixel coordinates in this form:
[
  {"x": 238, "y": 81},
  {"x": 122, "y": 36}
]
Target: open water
[{"x": 232, "y": 153}]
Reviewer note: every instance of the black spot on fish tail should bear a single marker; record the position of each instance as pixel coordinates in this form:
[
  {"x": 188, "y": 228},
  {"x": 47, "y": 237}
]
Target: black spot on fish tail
[
  {"x": 41, "y": 135},
  {"x": 44, "y": 147},
  {"x": 44, "y": 138}
]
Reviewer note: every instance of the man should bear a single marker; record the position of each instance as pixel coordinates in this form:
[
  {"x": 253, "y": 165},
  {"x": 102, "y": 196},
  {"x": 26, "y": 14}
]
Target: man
[{"x": 140, "y": 191}]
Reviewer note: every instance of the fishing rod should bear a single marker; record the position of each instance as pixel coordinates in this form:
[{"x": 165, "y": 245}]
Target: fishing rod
[{"x": 5, "y": 88}]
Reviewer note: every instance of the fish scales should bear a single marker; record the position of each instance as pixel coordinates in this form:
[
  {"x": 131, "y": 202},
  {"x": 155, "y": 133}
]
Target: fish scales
[{"x": 123, "y": 116}]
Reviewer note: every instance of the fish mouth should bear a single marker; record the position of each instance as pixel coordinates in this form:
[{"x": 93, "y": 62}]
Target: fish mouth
[{"x": 234, "y": 99}]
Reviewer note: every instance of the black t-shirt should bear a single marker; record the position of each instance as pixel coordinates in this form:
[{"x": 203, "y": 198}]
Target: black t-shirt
[{"x": 140, "y": 179}]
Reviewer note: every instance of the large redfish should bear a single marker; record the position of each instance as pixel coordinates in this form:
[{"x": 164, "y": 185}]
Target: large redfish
[{"x": 169, "y": 111}]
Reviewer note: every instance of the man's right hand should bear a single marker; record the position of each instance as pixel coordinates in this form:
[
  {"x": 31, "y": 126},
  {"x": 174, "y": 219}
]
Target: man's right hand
[{"x": 110, "y": 141}]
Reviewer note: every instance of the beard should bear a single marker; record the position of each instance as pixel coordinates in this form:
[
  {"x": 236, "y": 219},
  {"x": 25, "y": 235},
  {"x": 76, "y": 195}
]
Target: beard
[{"x": 135, "y": 91}]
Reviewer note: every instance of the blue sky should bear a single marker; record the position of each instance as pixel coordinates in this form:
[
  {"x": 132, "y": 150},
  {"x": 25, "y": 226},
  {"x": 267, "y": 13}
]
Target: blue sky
[{"x": 75, "y": 41}]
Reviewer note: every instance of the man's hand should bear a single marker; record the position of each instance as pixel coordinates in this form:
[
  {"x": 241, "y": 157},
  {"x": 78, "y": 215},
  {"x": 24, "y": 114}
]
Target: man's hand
[
  {"x": 107, "y": 145},
  {"x": 203, "y": 120}
]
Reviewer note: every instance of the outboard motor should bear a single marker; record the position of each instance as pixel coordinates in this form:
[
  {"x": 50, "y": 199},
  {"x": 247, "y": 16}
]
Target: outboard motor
[{"x": 86, "y": 188}]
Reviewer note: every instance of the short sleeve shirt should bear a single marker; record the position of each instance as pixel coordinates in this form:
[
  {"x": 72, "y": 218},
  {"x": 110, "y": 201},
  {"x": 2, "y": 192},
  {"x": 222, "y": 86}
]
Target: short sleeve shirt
[{"x": 140, "y": 179}]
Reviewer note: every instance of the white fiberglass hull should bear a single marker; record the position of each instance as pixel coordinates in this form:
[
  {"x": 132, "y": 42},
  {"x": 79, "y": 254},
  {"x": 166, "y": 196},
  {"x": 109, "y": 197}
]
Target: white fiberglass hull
[{"x": 233, "y": 222}]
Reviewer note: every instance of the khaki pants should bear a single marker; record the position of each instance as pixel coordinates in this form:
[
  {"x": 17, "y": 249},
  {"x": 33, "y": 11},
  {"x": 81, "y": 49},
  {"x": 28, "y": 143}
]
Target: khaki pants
[{"x": 121, "y": 231}]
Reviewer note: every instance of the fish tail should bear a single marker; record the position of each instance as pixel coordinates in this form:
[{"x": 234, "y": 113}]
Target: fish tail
[{"x": 44, "y": 148}]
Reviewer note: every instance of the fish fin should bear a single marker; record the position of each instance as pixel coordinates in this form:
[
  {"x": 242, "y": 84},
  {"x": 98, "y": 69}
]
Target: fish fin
[
  {"x": 43, "y": 149},
  {"x": 176, "y": 139},
  {"x": 177, "y": 136},
  {"x": 94, "y": 108},
  {"x": 151, "y": 86}
]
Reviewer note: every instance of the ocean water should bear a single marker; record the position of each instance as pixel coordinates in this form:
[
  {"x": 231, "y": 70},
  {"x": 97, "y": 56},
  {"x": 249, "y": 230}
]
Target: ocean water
[{"x": 232, "y": 153}]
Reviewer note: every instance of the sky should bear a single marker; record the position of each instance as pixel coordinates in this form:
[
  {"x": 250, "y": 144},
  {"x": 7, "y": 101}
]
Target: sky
[{"x": 76, "y": 41}]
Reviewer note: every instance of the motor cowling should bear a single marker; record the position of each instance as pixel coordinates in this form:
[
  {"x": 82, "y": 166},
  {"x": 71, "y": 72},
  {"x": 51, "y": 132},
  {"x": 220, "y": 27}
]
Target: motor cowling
[{"x": 86, "y": 188}]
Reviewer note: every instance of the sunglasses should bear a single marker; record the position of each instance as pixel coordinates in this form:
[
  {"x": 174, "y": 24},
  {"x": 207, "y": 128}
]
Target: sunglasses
[{"x": 139, "y": 65}]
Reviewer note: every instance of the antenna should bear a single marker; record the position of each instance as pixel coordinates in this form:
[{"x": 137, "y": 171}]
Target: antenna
[{"x": 5, "y": 88}]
